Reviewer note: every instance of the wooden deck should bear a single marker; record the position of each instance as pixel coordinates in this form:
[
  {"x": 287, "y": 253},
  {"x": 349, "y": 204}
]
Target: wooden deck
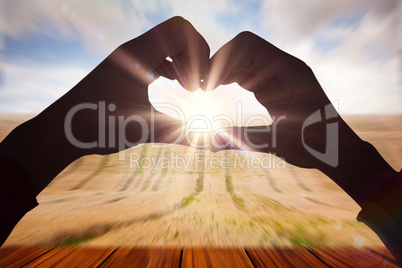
[{"x": 193, "y": 257}]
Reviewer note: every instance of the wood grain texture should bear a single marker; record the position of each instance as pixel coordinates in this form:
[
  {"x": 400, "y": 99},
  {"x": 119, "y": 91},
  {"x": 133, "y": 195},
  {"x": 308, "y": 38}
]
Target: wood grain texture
[
  {"x": 72, "y": 257},
  {"x": 144, "y": 257},
  {"x": 18, "y": 256},
  {"x": 372, "y": 258},
  {"x": 193, "y": 257},
  {"x": 351, "y": 257},
  {"x": 272, "y": 257},
  {"x": 215, "y": 257},
  {"x": 382, "y": 253},
  {"x": 260, "y": 257}
]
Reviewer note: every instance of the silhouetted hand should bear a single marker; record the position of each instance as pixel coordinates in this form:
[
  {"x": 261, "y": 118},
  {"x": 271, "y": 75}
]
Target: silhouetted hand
[
  {"x": 109, "y": 110},
  {"x": 307, "y": 131},
  {"x": 284, "y": 85}
]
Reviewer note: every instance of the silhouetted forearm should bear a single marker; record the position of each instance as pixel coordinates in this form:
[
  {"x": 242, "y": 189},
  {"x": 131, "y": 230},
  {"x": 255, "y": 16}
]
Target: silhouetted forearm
[
  {"x": 361, "y": 171},
  {"x": 40, "y": 148}
]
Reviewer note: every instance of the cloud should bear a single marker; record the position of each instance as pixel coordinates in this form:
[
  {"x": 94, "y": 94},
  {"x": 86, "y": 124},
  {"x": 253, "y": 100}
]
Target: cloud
[
  {"x": 31, "y": 87},
  {"x": 351, "y": 45},
  {"x": 105, "y": 24},
  {"x": 100, "y": 24},
  {"x": 361, "y": 68}
]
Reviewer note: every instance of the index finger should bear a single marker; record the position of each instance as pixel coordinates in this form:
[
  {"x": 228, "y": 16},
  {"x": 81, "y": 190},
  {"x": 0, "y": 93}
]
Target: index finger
[
  {"x": 178, "y": 39},
  {"x": 244, "y": 56},
  {"x": 255, "y": 65}
]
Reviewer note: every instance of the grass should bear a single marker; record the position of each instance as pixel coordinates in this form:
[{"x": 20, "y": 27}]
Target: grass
[
  {"x": 238, "y": 201},
  {"x": 199, "y": 188},
  {"x": 200, "y": 183},
  {"x": 117, "y": 199},
  {"x": 269, "y": 203},
  {"x": 176, "y": 235},
  {"x": 142, "y": 157},
  {"x": 230, "y": 189},
  {"x": 229, "y": 185},
  {"x": 187, "y": 201},
  {"x": 74, "y": 239},
  {"x": 303, "y": 238},
  {"x": 104, "y": 165},
  {"x": 299, "y": 234},
  {"x": 165, "y": 169}
]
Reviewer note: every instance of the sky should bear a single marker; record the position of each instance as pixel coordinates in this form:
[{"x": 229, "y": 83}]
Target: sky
[{"x": 354, "y": 47}]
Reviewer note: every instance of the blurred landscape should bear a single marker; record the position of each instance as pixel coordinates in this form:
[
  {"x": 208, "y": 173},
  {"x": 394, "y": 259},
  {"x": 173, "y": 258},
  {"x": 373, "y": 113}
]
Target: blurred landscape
[{"x": 104, "y": 201}]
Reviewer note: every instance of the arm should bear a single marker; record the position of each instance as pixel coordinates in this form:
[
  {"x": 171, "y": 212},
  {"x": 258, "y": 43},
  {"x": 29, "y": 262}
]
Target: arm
[
  {"x": 307, "y": 131},
  {"x": 36, "y": 151}
]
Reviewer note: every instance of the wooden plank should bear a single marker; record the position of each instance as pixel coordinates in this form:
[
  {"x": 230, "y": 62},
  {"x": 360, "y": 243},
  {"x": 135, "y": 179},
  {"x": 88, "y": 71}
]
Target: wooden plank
[
  {"x": 371, "y": 257},
  {"x": 271, "y": 257},
  {"x": 216, "y": 257},
  {"x": 277, "y": 258},
  {"x": 382, "y": 253},
  {"x": 261, "y": 258},
  {"x": 17, "y": 256},
  {"x": 336, "y": 258},
  {"x": 301, "y": 258},
  {"x": 349, "y": 257},
  {"x": 144, "y": 257},
  {"x": 193, "y": 257},
  {"x": 72, "y": 257}
]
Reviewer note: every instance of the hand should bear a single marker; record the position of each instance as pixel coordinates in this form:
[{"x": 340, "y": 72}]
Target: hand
[
  {"x": 109, "y": 109},
  {"x": 300, "y": 133},
  {"x": 284, "y": 85},
  {"x": 122, "y": 80}
]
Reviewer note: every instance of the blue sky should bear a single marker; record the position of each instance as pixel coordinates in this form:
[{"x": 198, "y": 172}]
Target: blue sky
[{"x": 352, "y": 46}]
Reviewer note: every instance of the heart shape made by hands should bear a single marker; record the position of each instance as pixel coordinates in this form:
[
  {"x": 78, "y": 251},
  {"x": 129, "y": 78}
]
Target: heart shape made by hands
[{"x": 226, "y": 106}]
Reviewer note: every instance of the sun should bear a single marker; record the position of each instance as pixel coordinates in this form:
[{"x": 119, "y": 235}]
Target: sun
[
  {"x": 202, "y": 111},
  {"x": 198, "y": 109}
]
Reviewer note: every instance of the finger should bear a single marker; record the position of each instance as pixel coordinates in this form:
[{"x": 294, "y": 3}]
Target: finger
[
  {"x": 190, "y": 74},
  {"x": 189, "y": 63},
  {"x": 229, "y": 63},
  {"x": 255, "y": 65},
  {"x": 166, "y": 69},
  {"x": 178, "y": 39},
  {"x": 174, "y": 71}
]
